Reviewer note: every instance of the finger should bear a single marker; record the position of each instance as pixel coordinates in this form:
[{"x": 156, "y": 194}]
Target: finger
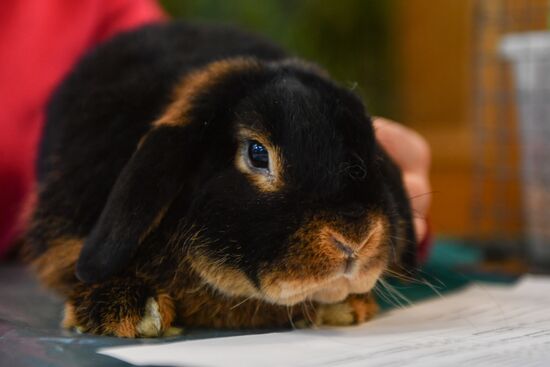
[
  {"x": 420, "y": 228},
  {"x": 405, "y": 146}
]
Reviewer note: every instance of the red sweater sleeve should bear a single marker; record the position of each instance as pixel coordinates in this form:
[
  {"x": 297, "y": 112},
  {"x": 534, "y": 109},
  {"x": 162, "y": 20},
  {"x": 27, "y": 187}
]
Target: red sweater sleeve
[{"x": 39, "y": 42}]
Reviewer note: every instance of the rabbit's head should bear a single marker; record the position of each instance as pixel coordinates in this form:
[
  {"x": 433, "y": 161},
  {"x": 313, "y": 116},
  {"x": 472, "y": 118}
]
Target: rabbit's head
[{"x": 274, "y": 183}]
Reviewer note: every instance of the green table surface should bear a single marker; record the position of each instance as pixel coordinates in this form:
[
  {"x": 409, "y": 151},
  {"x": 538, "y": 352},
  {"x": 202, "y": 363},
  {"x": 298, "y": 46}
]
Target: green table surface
[{"x": 29, "y": 315}]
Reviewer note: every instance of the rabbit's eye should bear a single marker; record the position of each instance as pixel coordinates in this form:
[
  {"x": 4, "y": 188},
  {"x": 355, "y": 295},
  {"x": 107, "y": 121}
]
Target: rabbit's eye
[{"x": 258, "y": 155}]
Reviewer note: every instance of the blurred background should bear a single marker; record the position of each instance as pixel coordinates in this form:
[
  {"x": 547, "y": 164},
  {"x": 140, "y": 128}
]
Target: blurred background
[{"x": 450, "y": 70}]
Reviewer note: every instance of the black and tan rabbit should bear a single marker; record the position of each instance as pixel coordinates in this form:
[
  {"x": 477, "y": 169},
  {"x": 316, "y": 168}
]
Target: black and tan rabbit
[{"x": 196, "y": 175}]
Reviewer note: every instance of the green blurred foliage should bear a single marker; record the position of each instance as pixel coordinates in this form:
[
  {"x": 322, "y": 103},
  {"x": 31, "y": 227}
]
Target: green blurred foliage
[{"x": 350, "y": 38}]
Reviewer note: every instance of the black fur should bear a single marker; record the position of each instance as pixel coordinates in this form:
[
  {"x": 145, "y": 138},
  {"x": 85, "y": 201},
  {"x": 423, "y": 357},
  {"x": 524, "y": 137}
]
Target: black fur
[{"x": 94, "y": 184}]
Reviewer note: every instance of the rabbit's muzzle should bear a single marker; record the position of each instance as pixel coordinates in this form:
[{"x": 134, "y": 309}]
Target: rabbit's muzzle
[{"x": 321, "y": 265}]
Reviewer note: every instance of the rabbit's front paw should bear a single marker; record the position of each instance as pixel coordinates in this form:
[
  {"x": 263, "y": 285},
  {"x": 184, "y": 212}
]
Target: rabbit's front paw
[
  {"x": 119, "y": 310},
  {"x": 355, "y": 309}
]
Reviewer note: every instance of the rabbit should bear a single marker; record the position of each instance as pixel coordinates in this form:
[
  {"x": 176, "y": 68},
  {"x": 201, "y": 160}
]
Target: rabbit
[{"x": 197, "y": 175}]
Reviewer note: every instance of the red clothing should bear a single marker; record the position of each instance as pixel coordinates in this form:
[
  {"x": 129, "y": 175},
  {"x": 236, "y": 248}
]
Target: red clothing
[{"x": 39, "y": 42}]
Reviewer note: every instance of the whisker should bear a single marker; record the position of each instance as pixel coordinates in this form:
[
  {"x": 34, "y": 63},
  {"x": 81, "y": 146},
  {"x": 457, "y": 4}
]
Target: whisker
[
  {"x": 402, "y": 277},
  {"x": 424, "y": 194},
  {"x": 403, "y": 239},
  {"x": 305, "y": 307},
  {"x": 289, "y": 314},
  {"x": 380, "y": 292},
  {"x": 240, "y": 303},
  {"x": 395, "y": 292},
  {"x": 258, "y": 305},
  {"x": 419, "y": 280}
]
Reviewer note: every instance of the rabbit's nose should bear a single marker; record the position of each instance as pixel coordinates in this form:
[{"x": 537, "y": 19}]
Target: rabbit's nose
[
  {"x": 349, "y": 253},
  {"x": 344, "y": 248}
]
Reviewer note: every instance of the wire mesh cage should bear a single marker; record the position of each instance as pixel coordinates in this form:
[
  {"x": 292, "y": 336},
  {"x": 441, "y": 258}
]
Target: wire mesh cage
[
  {"x": 512, "y": 118},
  {"x": 530, "y": 55}
]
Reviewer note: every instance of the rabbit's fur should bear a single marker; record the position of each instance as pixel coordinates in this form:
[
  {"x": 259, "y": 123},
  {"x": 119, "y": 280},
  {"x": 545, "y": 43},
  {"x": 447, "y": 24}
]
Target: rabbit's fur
[{"x": 150, "y": 212}]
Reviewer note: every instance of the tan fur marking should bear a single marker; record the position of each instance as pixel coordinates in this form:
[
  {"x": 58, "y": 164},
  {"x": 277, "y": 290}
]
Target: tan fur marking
[
  {"x": 289, "y": 292},
  {"x": 166, "y": 309},
  {"x": 69, "y": 318},
  {"x": 198, "y": 81},
  {"x": 125, "y": 328},
  {"x": 229, "y": 281},
  {"x": 58, "y": 262},
  {"x": 365, "y": 307},
  {"x": 356, "y": 309},
  {"x": 378, "y": 231},
  {"x": 337, "y": 314},
  {"x": 154, "y": 224},
  {"x": 335, "y": 291}
]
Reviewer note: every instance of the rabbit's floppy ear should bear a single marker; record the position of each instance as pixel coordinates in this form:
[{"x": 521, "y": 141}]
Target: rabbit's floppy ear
[
  {"x": 159, "y": 168},
  {"x": 138, "y": 200}
]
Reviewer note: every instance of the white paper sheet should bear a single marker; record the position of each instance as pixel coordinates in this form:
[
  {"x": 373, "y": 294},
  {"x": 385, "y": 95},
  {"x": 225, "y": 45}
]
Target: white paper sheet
[{"x": 482, "y": 325}]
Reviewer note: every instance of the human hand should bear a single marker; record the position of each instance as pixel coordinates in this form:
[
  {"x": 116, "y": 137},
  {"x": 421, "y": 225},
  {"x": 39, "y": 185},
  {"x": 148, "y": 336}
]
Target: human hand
[{"x": 411, "y": 152}]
